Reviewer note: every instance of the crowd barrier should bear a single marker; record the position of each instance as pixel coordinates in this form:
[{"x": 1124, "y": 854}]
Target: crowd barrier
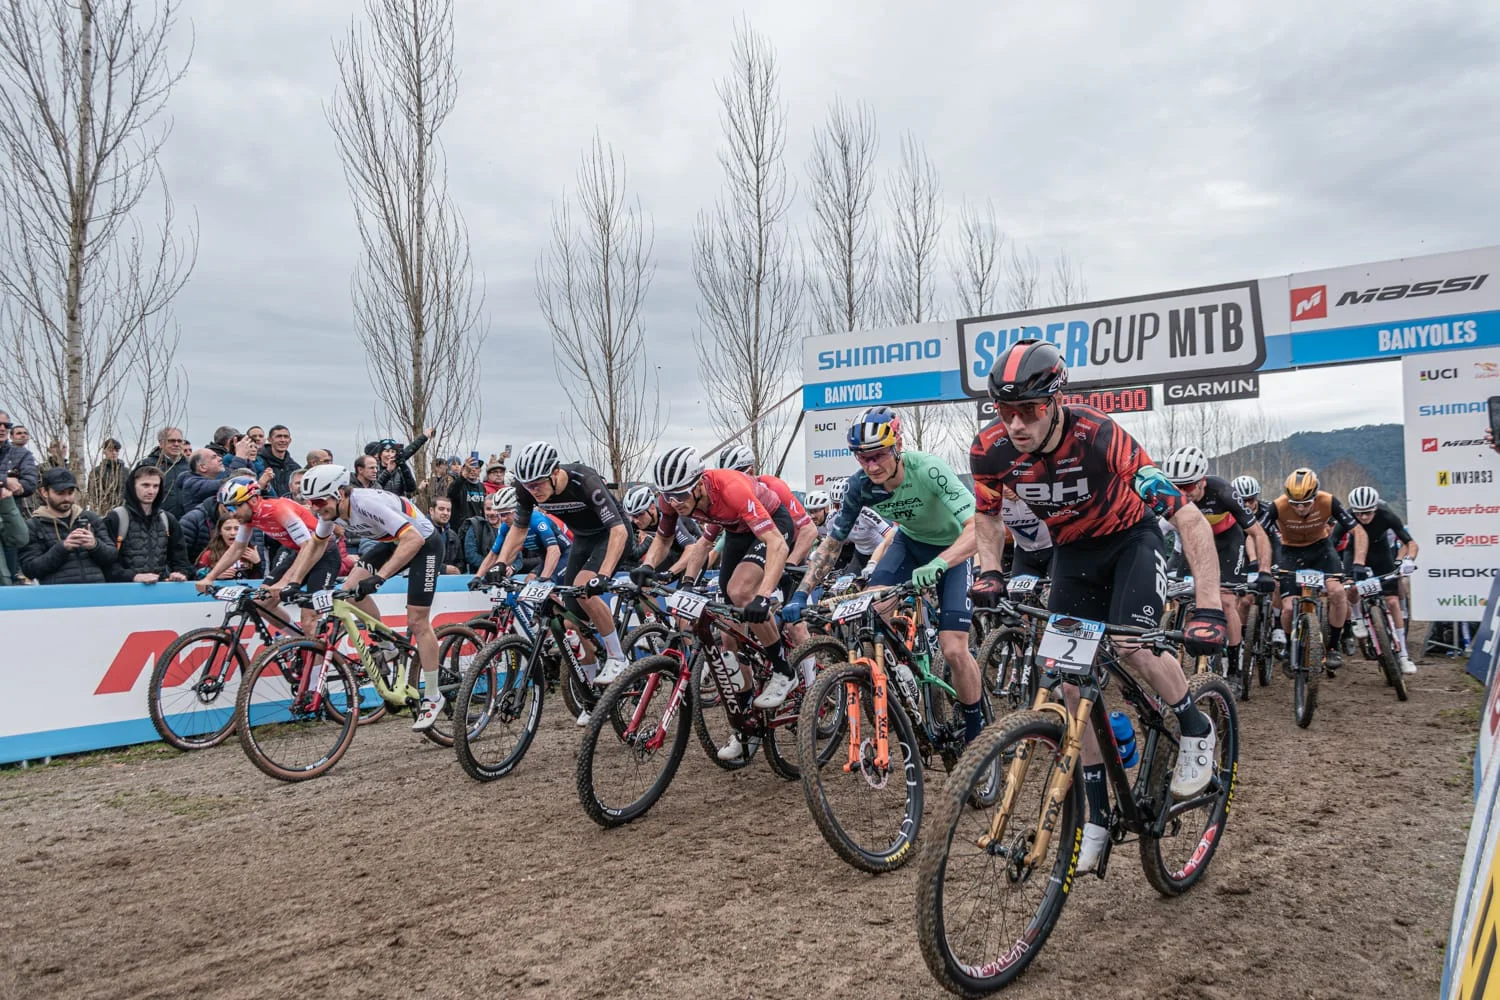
[
  {"x": 1470, "y": 967},
  {"x": 78, "y": 658}
]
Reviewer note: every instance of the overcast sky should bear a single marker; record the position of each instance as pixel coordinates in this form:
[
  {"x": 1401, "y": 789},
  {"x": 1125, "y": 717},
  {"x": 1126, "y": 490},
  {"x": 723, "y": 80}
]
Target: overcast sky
[{"x": 1161, "y": 146}]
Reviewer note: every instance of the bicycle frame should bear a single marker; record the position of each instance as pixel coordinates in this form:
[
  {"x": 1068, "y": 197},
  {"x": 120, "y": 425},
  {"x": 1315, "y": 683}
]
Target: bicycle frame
[{"x": 1309, "y": 600}]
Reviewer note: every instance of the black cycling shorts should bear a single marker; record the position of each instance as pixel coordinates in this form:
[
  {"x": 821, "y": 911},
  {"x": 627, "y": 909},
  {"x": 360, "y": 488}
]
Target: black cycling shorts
[
  {"x": 1230, "y": 545},
  {"x": 1294, "y": 557},
  {"x": 744, "y": 547},
  {"x": 421, "y": 573},
  {"x": 1119, "y": 579},
  {"x": 322, "y": 576},
  {"x": 586, "y": 553},
  {"x": 1027, "y": 562}
]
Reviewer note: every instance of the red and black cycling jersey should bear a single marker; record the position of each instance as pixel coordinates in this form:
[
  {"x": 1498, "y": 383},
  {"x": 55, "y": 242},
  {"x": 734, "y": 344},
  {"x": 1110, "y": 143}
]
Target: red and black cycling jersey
[
  {"x": 735, "y": 503},
  {"x": 1098, "y": 481},
  {"x": 1220, "y": 507},
  {"x": 585, "y": 505}
]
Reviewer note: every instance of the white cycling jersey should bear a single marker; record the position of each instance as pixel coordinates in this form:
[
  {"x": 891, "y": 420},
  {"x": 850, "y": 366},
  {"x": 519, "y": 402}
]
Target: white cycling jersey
[
  {"x": 1029, "y": 531},
  {"x": 868, "y": 532},
  {"x": 379, "y": 515}
]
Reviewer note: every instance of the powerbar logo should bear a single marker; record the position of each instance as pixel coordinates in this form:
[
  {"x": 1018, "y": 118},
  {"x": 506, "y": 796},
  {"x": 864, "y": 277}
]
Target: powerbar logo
[
  {"x": 1465, "y": 477},
  {"x": 1467, "y": 541},
  {"x": 1433, "y": 510},
  {"x": 1449, "y": 409}
]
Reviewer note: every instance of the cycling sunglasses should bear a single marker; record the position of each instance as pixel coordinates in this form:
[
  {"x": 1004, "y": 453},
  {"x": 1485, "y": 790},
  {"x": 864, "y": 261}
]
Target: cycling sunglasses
[
  {"x": 872, "y": 457},
  {"x": 1028, "y": 411},
  {"x": 679, "y": 496}
]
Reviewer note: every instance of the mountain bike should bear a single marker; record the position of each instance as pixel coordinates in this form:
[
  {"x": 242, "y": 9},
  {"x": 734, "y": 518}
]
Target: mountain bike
[
  {"x": 1006, "y": 641},
  {"x": 639, "y": 730},
  {"x": 1380, "y": 645},
  {"x": 862, "y": 769},
  {"x": 190, "y": 697},
  {"x": 301, "y": 698},
  {"x": 1305, "y": 655},
  {"x": 1258, "y": 655},
  {"x": 992, "y": 879},
  {"x": 501, "y": 695},
  {"x": 1181, "y": 603}
]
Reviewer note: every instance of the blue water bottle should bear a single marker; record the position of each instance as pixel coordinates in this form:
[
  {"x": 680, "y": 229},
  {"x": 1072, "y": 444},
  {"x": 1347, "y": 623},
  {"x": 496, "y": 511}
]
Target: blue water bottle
[{"x": 1124, "y": 732}]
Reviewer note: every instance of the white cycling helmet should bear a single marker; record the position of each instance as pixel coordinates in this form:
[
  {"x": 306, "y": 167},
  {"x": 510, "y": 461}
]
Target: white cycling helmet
[
  {"x": 1245, "y": 488},
  {"x": 537, "y": 460},
  {"x": 836, "y": 492},
  {"x": 638, "y": 500},
  {"x": 324, "y": 481},
  {"x": 503, "y": 500},
  {"x": 1185, "y": 465},
  {"x": 816, "y": 500},
  {"x": 677, "y": 469},
  {"x": 737, "y": 456},
  {"x": 1363, "y": 498}
]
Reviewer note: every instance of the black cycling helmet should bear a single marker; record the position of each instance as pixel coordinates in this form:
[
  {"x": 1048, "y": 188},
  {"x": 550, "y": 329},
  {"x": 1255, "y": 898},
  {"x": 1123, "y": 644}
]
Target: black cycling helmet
[{"x": 1029, "y": 369}]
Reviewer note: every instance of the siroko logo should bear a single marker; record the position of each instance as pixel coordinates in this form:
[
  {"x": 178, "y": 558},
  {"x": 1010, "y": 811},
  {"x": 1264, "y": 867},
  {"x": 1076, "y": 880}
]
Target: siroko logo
[
  {"x": 1463, "y": 573},
  {"x": 1429, "y": 444},
  {"x": 1467, "y": 541},
  {"x": 1418, "y": 290},
  {"x": 1310, "y": 303},
  {"x": 1437, "y": 374},
  {"x": 1465, "y": 477}
]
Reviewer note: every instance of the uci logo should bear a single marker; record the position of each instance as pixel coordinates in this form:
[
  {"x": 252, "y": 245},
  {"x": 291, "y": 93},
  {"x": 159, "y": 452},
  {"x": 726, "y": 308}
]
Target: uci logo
[
  {"x": 1438, "y": 374},
  {"x": 825, "y": 427}
]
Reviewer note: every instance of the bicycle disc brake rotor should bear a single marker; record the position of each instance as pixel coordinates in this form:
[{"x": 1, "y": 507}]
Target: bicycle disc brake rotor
[{"x": 875, "y": 777}]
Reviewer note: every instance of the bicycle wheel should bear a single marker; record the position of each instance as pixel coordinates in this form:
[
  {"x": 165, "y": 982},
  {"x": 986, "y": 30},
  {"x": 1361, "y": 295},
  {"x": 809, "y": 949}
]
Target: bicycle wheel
[
  {"x": 870, "y": 816},
  {"x": 457, "y": 647},
  {"x": 1002, "y": 662},
  {"x": 291, "y": 736},
  {"x": 1306, "y": 678},
  {"x": 500, "y": 705},
  {"x": 1380, "y": 631},
  {"x": 1177, "y": 858},
  {"x": 1246, "y": 665},
  {"x": 826, "y": 652},
  {"x": 649, "y": 639},
  {"x": 193, "y": 687},
  {"x": 1265, "y": 663},
  {"x": 983, "y": 913},
  {"x": 621, "y": 777},
  {"x": 711, "y": 718}
]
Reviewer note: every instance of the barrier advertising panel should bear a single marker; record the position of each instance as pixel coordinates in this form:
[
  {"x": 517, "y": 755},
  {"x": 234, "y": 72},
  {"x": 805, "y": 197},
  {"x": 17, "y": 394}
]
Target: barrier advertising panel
[
  {"x": 828, "y": 455},
  {"x": 1452, "y": 481},
  {"x": 80, "y": 657}
]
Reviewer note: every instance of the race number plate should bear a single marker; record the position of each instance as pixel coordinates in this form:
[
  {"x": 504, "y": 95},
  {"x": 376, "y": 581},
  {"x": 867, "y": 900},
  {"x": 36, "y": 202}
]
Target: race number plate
[
  {"x": 1021, "y": 585},
  {"x": 1369, "y": 587},
  {"x": 687, "y": 604},
  {"x": 1071, "y": 643},
  {"x": 1310, "y": 578},
  {"x": 852, "y": 608},
  {"x": 495, "y": 594},
  {"x": 842, "y": 584},
  {"x": 322, "y": 601},
  {"x": 230, "y": 593},
  {"x": 536, "y": 591}
]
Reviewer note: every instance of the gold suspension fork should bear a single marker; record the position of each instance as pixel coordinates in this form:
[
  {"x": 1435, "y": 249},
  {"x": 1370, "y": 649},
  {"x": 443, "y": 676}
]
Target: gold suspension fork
[
  {"x": 1015, "y": 772},
  {"x": 1060, "y": 780}
]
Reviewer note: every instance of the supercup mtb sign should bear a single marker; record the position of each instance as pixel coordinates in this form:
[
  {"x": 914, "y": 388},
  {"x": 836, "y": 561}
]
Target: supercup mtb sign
[{"x": 1197, "y": 332}]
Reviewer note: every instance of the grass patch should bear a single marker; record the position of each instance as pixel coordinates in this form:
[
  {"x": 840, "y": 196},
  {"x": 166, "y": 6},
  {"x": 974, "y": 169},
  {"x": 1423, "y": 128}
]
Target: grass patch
[
  {"x": 1466, "y": 716},
  {"x": 157, "y": 801},
  {"x": 136, "y": 754}
]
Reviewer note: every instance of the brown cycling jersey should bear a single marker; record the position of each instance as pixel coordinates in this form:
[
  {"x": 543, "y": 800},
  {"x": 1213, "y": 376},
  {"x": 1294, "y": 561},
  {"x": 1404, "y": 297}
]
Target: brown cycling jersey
[{"x": 1300, "y": 529}]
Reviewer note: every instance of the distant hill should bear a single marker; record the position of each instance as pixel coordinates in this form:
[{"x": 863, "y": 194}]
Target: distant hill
[{"x": 1372, "y": 455}]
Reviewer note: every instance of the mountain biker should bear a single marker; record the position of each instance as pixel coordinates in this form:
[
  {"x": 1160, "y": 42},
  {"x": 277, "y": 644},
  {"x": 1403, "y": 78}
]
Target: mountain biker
[
  {"x": 541, "y": 550},
  {"x": 1099, "y": 495},
  {"x": 741, "y": 458},
  {"x": 1373, "y": 556},
  {"x": 1311, "y": 522},
  {"x": 868, "y": 539}
]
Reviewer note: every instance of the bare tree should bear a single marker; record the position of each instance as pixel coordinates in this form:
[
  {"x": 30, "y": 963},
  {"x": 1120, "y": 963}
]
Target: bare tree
[
  {"x": 978, "y": 263},
  {"x": 591, "y": 284},
  {"x": 1023, "y": 279},
  {"x": 86, "y": 289},
  {"x": 844, "y": 290},
  {"x": 744, "y": 260},
  {"x": 415, "y": 306},
  {"x": 1066, "y": 284}
]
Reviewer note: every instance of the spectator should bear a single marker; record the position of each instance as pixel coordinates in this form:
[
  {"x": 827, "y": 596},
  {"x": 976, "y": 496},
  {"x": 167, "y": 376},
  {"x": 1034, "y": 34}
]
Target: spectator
[
  {"x": 251, "y": 565},
  {"x": 395, "y": 469},
  {"x": 247, "y": 449},
  {"x": 107, "y": 479},
  {"x": 479, "y": 535},
  {"x": 279, "y": 461},
  {"x": 467, "y": 493},
  {"x": 257, "y": 434},
  {"x": 319, "y": 456},
  {"x": 13, "y": 533},
  {"x": 494, "y": 477},
  {"x": 441, "y": 516},
  {"x": 205, "y": 472},
  {"x": 16, "y": 461},
  {"x": 366, "y": 473},
  {"x": 170, "y": 457},
  {"x": 226, "y": 445},
  {"x": 148, "y": 538},
  {"x": 437, "y": 484},
  {"x": 296, "y": 486},
  {"x": 198, "y": 526},
  {"x": 67, "y": 544},
  {"x": 57, "y": 451}
]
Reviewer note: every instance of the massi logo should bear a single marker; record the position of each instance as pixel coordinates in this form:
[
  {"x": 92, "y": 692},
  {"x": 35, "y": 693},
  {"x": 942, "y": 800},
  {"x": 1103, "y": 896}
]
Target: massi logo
[
  {"x": 1309, "y": 303},
  {"x": 1486, "y": 369}
]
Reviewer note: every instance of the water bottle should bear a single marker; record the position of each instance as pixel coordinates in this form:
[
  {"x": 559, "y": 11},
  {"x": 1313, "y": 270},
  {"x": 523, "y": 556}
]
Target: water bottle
[
  {"x": 908, "y": 684},
  {"x": 1124, "y": 732},
  {"x": 730, "y": 673}
]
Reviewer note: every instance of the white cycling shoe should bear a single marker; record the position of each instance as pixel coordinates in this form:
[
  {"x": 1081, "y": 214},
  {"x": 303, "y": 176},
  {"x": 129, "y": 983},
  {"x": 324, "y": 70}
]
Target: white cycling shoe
[
  {"x": 583, "y": 719},
  {"x": 733, "y": 750},
  {"x": 775, "y": 693},
  {"x": 1094, "y": 839},
  {"x": 1357, "y": 626},
  {"x": 428, "y": 716},
  {"x": 1407, "y": 667},
  {"x": 1195, "y": 764},
  {"x": 613, "y": 668}
]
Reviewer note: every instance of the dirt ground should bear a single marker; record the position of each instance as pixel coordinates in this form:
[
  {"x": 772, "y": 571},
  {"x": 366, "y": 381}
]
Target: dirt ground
[{"x": 146, "y": 873}]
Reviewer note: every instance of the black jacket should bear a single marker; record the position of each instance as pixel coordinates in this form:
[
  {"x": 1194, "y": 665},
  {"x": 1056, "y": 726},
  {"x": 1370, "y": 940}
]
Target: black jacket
[
  {"x": 169, "y": 499},
  {"x": 399, "y": 479},
  {"x": 152, "y": 543},
  {"x": 281, "y": 472},
  {"x": 453, "y": 547},
  {"x": 479, "y": 538},
  {"x": 44, "y": 559},
  {"x": 467, "y": 499},
  {"x": 198, "y": 527},
  {"x": 193, "y": 489},
  {"x": 21, "y": 463}
]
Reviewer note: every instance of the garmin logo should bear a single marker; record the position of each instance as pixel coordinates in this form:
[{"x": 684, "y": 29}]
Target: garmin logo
[{"x": 881, "y": 354}]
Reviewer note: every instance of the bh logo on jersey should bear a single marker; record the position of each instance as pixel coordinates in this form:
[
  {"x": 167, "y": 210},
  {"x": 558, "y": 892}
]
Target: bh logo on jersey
[{"x": 1057, "y": 494}]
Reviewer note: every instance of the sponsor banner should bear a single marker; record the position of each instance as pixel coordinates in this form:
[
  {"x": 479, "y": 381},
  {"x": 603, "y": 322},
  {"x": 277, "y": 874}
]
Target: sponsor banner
[
  {"x": 1212, "y": 390},
  {"x": 909, "y": 364},
  {"x": 828, "y": 455},
  {"x": 99, "y": 643},
  {"x": 1453, "y": 504},
  {"x": 1122, "y": 399},
  {"x": 1469, "y": 962},
  {"x": 1194, "y": 332}
]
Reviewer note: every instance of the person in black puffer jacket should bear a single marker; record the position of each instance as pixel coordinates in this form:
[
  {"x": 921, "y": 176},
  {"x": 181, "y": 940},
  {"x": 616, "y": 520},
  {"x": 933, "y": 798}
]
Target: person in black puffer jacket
[
  {"x": 395, "y": 475},
  {"x": 149, "y": 539},
  {"x": 68, "y": 544},
  {"x": 198, "y": 527}
]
